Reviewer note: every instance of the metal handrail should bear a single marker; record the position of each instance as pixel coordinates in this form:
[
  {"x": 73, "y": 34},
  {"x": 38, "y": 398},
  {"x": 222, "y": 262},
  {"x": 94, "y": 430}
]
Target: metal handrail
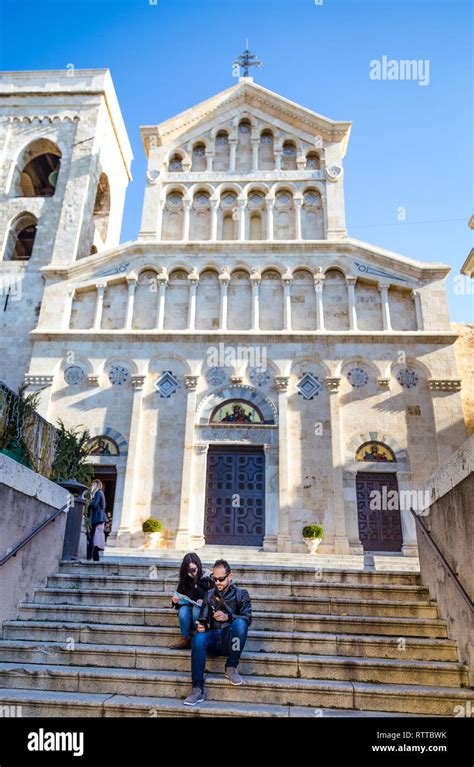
[
  {"x": 445, "y": 562},
  {"x": 13, "y": 552}
]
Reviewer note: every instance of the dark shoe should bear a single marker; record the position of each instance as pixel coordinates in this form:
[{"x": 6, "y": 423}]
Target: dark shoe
[
  {"x": 197, "y": 696},
  {"x": 233, "y": 675},
  {"x": 183, "y": 644}
]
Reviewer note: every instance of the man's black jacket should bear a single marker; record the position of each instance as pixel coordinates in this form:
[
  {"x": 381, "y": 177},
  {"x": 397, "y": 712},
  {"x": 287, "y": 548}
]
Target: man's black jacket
[{"x": 234, "y": 601}]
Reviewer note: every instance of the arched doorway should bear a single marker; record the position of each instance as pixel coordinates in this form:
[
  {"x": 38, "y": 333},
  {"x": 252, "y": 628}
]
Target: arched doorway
[{"x": 378, "y": 510}]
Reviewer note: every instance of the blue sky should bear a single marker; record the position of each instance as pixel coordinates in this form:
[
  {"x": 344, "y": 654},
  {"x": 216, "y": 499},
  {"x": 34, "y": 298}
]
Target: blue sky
[{"x": 411, "y": 145}]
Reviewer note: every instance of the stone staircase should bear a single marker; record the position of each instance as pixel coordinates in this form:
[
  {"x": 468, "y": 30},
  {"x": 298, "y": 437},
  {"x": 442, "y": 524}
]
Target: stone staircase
[{"x": 341, "y": 641}]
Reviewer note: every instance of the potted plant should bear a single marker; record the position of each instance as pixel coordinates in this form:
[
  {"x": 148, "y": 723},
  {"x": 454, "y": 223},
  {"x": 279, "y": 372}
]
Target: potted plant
[
  {"x": 312, "y": 536},
  {"x": 152, "y": 529}
]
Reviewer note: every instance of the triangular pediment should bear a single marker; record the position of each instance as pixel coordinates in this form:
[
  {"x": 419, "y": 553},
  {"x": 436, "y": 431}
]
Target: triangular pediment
[{"x": 246, "y": 96}]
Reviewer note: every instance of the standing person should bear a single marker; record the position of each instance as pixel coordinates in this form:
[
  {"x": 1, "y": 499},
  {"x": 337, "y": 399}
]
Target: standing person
[
  {"x": 194, "y": 582},
  {"x": 223, "y": 622},
  {"x": 97, "y": 516}
]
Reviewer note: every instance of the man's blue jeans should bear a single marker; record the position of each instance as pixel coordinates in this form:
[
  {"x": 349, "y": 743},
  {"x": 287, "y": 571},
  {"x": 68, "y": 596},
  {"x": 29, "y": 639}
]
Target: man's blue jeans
[
  {"x": 187, "y": 616},
  {"x": 228, "y": 641}
]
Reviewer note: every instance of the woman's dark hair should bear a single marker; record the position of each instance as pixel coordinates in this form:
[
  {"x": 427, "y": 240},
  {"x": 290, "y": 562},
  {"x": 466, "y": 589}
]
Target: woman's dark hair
[{"x": 184, "y": 579}]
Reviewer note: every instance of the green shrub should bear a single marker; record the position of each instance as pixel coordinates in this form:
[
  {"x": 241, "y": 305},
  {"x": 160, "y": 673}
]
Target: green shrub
[
  {"x": 313, "y": 531},
  {"x": 152, "y": 526}
]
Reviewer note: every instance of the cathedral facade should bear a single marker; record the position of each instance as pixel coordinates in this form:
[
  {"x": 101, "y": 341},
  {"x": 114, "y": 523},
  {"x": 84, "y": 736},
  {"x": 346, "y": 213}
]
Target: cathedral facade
[{"x": 245, "y": 367}]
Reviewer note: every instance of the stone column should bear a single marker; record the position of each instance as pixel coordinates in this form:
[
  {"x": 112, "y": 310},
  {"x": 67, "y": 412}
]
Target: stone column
[
  {"x": 318, "y": 287},
  {"x": 182, "y": 534},
  {"x": 270, "y": 205},
  {"x": 255, "y": 282},
  {"x": 409, "y": 540},
  {"x": 287, "y": 283},
  {"x": 278, "y": 153},
  {"x": 224, "y": 279},
  {"x": 133, "y": 462},
  {"x": 415, "y": 294},
  {"x": 214, "y": 209},
  {"x": 162, "y": 282},
  {"x": 233, "y": 152},
  {"x": 101, "y": 286},
  {"x": 193, "y": 278},
  {"x": 198, "y": 497},
  {"x": 341, "y": 541},
  {"x": 242, "y": 204},
  {"x": 270, "y": 540},
  {"x": 118, "y": 503},
  {"x": 68, "y": 302},
  {"x": 187, "y": 219},
  {"x": 298, "y": 202},
  {"x": 284, "y": 537},
  {"x": 255, "y": 145},
  {"x": 132, "y": 284},
  {"x": 209, "y": 160},
  {"x": 350, "y": 282},
  {"x": 383, "y": 287}
]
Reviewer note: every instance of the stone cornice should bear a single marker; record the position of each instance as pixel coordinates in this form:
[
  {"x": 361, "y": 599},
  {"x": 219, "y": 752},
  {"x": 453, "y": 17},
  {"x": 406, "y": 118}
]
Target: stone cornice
[
  {"x": 438, "y": 337},
  {"x": 292, "y": 250}
]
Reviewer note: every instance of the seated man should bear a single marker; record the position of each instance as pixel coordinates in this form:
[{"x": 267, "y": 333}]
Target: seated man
[{"x": 222, "y": 626}]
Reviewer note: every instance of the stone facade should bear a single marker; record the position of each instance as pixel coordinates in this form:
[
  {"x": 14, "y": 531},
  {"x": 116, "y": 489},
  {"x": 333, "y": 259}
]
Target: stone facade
[{"x": 243, "y": 286}]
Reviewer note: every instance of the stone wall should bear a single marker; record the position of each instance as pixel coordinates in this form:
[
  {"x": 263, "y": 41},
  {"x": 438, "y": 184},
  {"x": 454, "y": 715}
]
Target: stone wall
[
  {"x": 450, "y": 522},
  {"x": 26, "y": 500}
]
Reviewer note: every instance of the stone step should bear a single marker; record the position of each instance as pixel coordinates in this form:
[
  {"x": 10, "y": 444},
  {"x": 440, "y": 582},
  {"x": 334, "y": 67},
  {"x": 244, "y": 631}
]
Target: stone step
[
  {"x": 301, "y": 605},
  {"x": 366, "y": 696},
  {"x": 354, "y": 645},
  {"x": 290, "y": 665},
  {"x": 253, "y": 555},
  {"x": 154, "y": 569},
  {"x": 38, "y": 703},
  {"x": 398, "y": 626},
  {"x": 255, "y": 587}
]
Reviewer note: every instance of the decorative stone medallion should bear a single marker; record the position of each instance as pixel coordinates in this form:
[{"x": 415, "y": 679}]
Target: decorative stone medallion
[
  {"x": 259, "y": 377},
  {"x": 357, "y": 377},
  {"x": 309, "y": 386},
  {"x": 167, "y": 384},
  {"x": 407, "y": 378},
  {"x": 216, "y": 376},
  {"x": 73, "y": 375},
  {"x": 118, "y": 375}
]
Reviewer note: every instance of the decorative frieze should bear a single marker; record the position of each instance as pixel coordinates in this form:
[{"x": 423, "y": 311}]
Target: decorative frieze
[{"x": 444, "y": 384}]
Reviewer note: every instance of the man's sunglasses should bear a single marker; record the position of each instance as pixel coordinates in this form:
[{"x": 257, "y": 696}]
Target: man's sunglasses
[{"x": 224, "y": 577}]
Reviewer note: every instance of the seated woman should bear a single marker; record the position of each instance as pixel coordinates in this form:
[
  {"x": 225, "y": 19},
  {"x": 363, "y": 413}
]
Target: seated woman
[{"x": 193, "y": 583}]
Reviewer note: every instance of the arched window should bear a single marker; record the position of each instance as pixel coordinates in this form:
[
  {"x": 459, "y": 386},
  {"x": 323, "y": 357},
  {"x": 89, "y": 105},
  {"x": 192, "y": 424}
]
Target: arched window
[
  {"x": 199, "y": 158},
  {"x": 21, "y": 238},
  {"x": 244, "y": 151},
  {"x": 176, "y": 163},
  {"x": 312, "y": 161},
  {"x": 236, "y": 411},
  {"x": 222, "y": 153},
  {"x": 284, "y": 218},
  {"x": 102, "y": 207},
  {"x": 173, "y": 217},
  {"x": 228, "y": 208},
  {"x": 288, "y": 159},
  {"x": 201, "y": 217},
  {"x": 375, "y": 452},
  {"x": 256, "y": 215},
  {"x": 38, "y": 170},
  {"x": 266, "y": 158},
  {"x": 312, "y": 219}
]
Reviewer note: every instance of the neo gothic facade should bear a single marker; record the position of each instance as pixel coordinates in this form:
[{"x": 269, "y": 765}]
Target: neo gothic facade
[{"x": 245, "y": 367}]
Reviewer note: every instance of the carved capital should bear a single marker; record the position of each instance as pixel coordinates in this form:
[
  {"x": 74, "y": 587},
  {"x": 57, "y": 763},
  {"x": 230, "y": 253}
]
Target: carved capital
[
  {"x": 191, "y": 382},
  {"x": 332, "y": 383},
  {"x": 281, "y": 383},
  {"x": 444, "y": 384}
]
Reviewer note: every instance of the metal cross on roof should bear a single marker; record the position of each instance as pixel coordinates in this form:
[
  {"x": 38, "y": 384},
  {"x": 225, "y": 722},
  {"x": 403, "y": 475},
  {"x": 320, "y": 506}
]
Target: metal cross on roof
[{"x": 246, "y": 60}]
